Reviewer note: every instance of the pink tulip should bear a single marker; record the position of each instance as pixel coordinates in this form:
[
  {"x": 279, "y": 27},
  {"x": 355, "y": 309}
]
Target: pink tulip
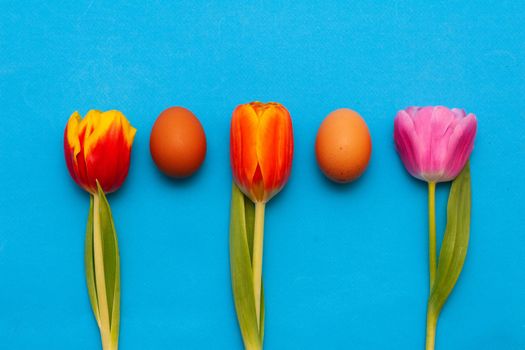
[{"x": 434, "y": 143}]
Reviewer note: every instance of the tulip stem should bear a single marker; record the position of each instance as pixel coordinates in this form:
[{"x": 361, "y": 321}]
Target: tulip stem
[
  {"x": 431, "y": 329},
  {"x": 432, "y": 232},
  {"x": 258, "y": 237},
  {"x": 100, "y": 279}
]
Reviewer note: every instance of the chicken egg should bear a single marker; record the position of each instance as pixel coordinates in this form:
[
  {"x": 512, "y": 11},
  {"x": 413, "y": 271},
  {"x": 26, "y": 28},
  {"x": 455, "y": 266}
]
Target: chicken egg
[
  {"x": 178, "y": 142},
  {"x": 343, "y": 145}
]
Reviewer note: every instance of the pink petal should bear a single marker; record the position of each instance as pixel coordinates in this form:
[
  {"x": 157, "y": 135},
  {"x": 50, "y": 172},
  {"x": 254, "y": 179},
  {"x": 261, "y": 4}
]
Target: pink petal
[
  {"x": 407, "y": 143},
  {"x": 442, "y": 126},
  {"x": 460, "y": 145}
]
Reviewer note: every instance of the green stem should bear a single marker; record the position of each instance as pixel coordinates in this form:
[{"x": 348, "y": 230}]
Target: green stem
[
  {"x": 258, "y": 237},
  {"x": 432, "y": 232},
  {"x": 431, "y": 329},
  {"x": 100, "y": 279}
]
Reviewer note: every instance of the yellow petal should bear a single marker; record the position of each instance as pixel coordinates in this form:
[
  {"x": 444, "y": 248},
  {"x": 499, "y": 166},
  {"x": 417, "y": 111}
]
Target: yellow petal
[
  {"x": 97, "y": 125},
  {"x": 72, "y": 133},
  {"x": 128, "y": 130}
]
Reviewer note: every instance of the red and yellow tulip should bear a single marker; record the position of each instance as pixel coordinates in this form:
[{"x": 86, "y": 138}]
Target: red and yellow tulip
[
  {"x": 261, "y": 144},
  {"x": 97, "y": 150},
  {"x": 98, "y": 147}
]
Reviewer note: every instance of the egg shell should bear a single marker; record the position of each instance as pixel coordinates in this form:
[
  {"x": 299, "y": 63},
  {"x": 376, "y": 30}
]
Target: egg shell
[
  {"x": 178, "y": 142},
  {"x": 343, "y": 145}
]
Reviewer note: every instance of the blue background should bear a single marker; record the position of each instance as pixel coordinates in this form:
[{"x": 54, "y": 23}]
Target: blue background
[{"x": 345, "y": 266}]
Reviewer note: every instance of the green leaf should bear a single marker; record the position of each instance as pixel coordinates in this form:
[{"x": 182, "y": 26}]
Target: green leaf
[
  {"x": 115, "y": 319},
  {"x": 111, "y": 260},
  {"x": 241, "y": 240},
  {"x": 89, "y": 262},
  {"x": 455, "y": 243},
  {"x": 249, "y": 217}
]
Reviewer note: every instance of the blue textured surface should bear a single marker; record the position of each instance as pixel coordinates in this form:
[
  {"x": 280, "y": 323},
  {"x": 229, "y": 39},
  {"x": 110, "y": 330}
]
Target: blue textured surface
[{"x": 344, "y": 266}]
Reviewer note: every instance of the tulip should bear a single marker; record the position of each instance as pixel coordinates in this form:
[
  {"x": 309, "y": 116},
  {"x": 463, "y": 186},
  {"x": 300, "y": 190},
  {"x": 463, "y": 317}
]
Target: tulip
[
  {"x": 434, "y": 144},
  {"x": 97, "y": 151},
  {"x": 261, "y": 149},
  {"x": 261, "y": 143},
  {"x": 98, "y": 147}
]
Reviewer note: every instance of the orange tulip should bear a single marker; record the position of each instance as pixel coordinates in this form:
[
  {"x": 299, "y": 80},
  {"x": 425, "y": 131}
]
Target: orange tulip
[
  {"x": 261, "y": 145},
  {"x": 98, "y": 147},
  {"x": 261, "y": 150}
]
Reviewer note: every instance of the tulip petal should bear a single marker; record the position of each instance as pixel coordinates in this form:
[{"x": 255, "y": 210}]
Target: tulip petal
[
  {"x": 460, "y": 145},
  {"x": 71, "y": 143},
  {"x": 107, "y": 149},
  {"x": 442, "y": 125},
  {"x": 274, "y": 147},
  {"x": 73, "y": 140},
  {"x": 72, "y": 133},
  {"x": 407, "y": 143},
  {"x": 243, "y": 143},
  {"x": 97, "y": 125},
  {"x": 128, "y": 135}
]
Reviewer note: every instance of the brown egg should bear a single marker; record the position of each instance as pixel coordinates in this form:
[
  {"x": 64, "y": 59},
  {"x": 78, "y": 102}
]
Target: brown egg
[
  {"x": 343, "y": 145},
  {"x": 177, "y": 142}
]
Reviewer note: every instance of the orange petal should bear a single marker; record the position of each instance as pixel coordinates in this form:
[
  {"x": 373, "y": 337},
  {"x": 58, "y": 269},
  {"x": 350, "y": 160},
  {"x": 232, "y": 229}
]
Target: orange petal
[
  {"x": 243, "y": 144},
  {"x": 275, "y": 147}
]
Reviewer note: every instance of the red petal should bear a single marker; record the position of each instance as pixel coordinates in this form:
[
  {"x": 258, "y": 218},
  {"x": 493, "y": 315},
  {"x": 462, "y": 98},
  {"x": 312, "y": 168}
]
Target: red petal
[{"x": 108, "y": 158}]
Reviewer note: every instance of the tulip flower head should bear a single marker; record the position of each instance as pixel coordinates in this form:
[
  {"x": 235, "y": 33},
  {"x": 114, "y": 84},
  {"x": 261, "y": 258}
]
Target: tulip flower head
[
  {"x": 261, "y": 145},
  {"x": 98, "y": 148},
  {"x": 434, "y": 143}
]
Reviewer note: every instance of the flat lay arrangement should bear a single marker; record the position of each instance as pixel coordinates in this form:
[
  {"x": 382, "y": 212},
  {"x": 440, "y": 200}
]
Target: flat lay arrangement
[
  {"x": 262, "y": 175},
  {"x": 434, "y": 144}
]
